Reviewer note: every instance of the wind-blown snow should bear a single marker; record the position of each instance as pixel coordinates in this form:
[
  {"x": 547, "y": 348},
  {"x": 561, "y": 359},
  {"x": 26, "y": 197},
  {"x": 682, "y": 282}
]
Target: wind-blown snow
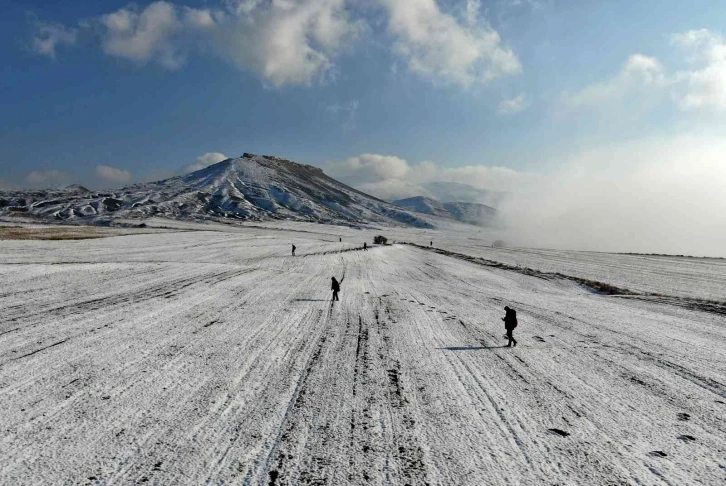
[{"x": 215, "y": 357}]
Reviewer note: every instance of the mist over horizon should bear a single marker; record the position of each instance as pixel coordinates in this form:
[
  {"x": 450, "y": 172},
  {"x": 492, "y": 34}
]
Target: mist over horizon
[{"x": 662, "y": 195}]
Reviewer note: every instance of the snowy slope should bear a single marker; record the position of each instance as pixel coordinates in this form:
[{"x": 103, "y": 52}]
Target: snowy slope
[
  {"x": 252, "y": 187},
  {"x": 471, "y": 213},
  {"x": 216, "y": 358}
]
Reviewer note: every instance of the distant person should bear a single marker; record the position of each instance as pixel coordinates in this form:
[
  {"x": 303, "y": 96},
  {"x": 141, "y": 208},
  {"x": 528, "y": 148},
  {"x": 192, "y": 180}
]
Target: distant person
[
  {"x": 336, "y": 288},
  {"x": 365, "y": 246},
  {"x": 510, "y": 322},
  {"x": 340, "y": 239},
  {"x": 432, "y": 243},
  {"x": 293, "y": 250}
]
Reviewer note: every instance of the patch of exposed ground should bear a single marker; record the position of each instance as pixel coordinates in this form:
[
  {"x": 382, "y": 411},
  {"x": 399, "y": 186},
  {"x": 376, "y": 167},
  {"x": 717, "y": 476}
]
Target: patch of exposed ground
[{"x": 36, "y": 232}]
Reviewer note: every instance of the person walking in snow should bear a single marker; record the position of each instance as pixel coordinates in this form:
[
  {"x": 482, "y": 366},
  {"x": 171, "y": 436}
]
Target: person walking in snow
[
  {"x": 340, "y": 239},
  {"x": 510, "y": 322},
  {"x": 293, "y": 250},
  {"x": 336, "y": 288},
  {"x": 365, "y": 246}
]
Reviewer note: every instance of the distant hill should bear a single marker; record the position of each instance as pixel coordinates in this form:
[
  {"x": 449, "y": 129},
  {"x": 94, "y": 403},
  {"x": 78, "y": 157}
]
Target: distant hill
[
  {"x": 471, "y": 213},
  {"x": 458, "y": 192},
  {"x": 252, "y": 187},
  {"x": 77, "y": 188}
]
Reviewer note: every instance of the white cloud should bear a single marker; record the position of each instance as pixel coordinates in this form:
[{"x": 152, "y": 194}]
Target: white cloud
[
  {"x": 203, "y": 161},
  {"x": 297, "y": 42},
  {"x": 48, "y": 36},
  {"x": 112, "y": 175},
  {"x": 439, "y": 47},
  {"x": 472, "y": 11},
  {"x": 201, "y": 19},
  {"x": 47, "y": 178},
  {"x": 639, "y": 73},
  {"x": 697, "y": 38},
  {"x": 287, "y": 42},
  {"x": 374, "y": 167},
  {"x": 144, "y": 36},
  {"x": 514, "y": 105},
  {"x": 391, "y": 177},
  {"x": 701, "y": 87}
]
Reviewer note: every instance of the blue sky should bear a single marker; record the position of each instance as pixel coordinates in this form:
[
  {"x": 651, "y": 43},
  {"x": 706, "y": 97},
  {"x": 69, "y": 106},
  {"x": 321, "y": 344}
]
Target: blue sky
[{"x": 506, "y": 88}]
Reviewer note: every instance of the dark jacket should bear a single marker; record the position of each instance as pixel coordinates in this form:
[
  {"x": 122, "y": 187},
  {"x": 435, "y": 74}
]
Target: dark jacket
[
  {"x": 510, "y": 319},
  {"x": 336, "y": 286}
]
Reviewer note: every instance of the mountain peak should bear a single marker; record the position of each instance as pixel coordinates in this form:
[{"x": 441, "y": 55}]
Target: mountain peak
[
  {"x": 251, "y": 187},
  {"x": 472, "y": 213},
  {"x": 273, "y": 159},
  {"x": 77, "y": 188}
]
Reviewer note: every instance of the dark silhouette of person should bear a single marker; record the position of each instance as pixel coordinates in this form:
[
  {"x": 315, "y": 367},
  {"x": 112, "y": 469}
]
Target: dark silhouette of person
[
  {"x": 293, "y": 250},
  {"x": 510, "y": 322},
  {"x": 365, "y": 246},
  {"x": 336, "y": 288},
  {"x": 432, "y": 243},
  {"x": 340, "y": 239}
]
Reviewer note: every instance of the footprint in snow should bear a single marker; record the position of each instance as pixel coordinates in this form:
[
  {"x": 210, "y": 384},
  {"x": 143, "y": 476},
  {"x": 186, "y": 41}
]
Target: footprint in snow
[
  {"x": 683, "y": 417},
  {"x": 687, "y": 438},
  {"x": 539, "y": 338},
  {"x": 559, "y": 432},
  {"x": 657, "y": 454}
]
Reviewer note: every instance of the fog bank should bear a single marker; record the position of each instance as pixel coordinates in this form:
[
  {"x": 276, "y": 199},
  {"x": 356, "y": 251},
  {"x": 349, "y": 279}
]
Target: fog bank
[{"x": 657, "y": 196}]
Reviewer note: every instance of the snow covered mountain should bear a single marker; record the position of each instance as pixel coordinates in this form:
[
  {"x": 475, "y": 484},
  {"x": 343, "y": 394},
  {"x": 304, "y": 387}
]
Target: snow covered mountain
[
  {"x": 252, "y": 187},
  {"x": 471, "y": 213},
  {"x": 456, "y": 191}
]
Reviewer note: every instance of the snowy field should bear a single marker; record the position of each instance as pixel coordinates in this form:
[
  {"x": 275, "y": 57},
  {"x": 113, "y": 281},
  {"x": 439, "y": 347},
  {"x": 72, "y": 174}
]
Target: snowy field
[
  {"x": 700, "y": 278},
  {"x": 215, "y": 357},
  {"x": 703, "y": 278}
]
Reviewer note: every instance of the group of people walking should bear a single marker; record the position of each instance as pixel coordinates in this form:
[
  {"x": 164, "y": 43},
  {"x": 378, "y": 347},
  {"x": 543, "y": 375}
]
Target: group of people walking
[{"x": 510, "y": 316}]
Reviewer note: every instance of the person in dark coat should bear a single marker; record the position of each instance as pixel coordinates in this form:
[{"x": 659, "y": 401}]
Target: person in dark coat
[
  {"x": 293, "y": 250},
  {"x": 510, "y": 322},
  {"x": 365, "y": 246},
  {"x": 336, "y": 288},
  {"x": 340, "y": 239}
]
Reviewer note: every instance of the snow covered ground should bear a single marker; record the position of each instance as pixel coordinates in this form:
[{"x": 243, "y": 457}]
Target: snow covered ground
[
  {"x": 215, "y": 357},
  {"x": 703, "y": 278}
]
